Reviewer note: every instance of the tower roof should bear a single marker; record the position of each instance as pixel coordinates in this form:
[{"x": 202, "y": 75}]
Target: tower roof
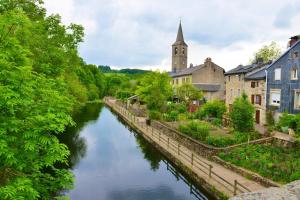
[{"x": 180, "y": 39}]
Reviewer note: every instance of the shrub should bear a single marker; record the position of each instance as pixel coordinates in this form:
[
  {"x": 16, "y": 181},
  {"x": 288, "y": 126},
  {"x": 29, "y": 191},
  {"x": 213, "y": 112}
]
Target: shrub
[
  {"x": 219, "y": 141},
  {"x": 238, "y": 138},
  {"x": 215, "y": 109},
  {"x": 196, "y": 130},
  {"x": 172, "y": 116},
  {"x": 181, "y": 108},
  {"x": 287, "y": 120},
  {"x": 242, "y": 114},
  {"x": 153, "y": 114},
  {"x": 270, "y": 117},
  {"x": 217, "y": 122}
]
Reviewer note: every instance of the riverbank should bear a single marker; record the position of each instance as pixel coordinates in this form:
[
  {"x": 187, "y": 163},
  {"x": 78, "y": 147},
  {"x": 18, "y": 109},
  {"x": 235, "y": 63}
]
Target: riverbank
[{"x": 214, "y": 177}]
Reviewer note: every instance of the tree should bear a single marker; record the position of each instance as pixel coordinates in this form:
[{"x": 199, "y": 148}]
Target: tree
[
  {"x": 267, "y": 53},
  {"x": 155, "y": 90},
  {"x": 242, "y": 114},
  {"x": 188, "y": 92},
  {"x": 215, "y": 109},
  {"x": 40, "y": 86}
]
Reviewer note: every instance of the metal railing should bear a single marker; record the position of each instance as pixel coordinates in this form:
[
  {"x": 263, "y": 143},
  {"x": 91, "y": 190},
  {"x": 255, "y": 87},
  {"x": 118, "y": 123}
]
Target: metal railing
[{"x": 179, "y": 151}]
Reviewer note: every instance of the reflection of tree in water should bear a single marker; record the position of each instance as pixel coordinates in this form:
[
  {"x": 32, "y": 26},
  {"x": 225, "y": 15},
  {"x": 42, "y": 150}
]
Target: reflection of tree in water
[
  {"x": 150, "y": 152},
  {"x": 72, "y": 138}
]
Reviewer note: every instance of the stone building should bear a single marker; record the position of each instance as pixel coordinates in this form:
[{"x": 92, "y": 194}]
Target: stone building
[
  {"x": 283, "y": 85},
  {"x": 207, "y": 77},
  {"x": 250, "y": 79}
]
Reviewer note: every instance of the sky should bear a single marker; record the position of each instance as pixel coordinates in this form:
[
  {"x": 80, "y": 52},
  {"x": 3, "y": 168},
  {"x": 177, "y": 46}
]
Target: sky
[{"x": 139, "y": 33}]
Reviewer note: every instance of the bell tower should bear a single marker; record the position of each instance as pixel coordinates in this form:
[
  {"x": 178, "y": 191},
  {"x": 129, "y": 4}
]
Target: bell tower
[{"x": 179, "y": 52}]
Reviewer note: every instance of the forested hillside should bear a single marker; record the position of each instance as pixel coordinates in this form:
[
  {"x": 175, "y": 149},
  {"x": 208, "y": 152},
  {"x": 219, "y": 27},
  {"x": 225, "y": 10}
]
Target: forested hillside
[
  {"x": 42, "y": 81},
  {"x": 107, "y": 69}
]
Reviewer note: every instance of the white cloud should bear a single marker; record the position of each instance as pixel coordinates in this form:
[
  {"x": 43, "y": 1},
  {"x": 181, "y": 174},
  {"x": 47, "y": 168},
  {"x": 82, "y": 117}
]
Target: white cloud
[{"x": 135, "y": 33}]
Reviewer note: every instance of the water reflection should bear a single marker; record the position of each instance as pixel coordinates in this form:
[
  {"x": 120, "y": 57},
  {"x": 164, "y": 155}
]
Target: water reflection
[
  {"x": 72, "y": 138},
  {"x": 111, "y": 162}
]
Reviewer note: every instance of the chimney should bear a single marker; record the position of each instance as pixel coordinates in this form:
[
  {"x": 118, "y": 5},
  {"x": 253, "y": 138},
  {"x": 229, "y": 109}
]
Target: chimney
[
  {"x": 293, "y": 40},
  {"x": 207, "y": 62}
]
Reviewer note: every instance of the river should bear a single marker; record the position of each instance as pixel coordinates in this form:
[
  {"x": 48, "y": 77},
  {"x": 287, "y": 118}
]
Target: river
[{"x": 111, "y": 161}]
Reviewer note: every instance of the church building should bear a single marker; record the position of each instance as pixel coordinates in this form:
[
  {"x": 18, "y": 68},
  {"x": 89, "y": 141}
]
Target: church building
[{"x": 207, "y": 77}]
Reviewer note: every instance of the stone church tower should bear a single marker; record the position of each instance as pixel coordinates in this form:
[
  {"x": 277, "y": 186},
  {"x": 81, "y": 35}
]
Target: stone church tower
[{"x": 179, "y": 52}]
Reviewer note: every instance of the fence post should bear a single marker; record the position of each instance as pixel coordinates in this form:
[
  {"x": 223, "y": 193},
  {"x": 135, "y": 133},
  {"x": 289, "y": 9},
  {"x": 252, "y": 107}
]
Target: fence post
[
  {"x": 235, "y": 187},
  {"x": 178, "y": 147},
  {"x": 192, "y": 159},
  {"x": 210, "y": 169}
]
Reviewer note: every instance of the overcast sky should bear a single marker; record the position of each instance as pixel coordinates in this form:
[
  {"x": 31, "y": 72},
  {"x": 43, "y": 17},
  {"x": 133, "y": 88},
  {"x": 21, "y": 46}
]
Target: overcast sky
[{"x": 139, "y": 33}]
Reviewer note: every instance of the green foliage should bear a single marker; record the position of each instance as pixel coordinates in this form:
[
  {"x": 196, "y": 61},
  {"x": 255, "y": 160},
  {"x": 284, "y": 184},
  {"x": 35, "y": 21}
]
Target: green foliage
[
  {"x": 213, "y": 109},
  {"x": 153, "y": 114},
  {"x": 188, "y": 92},
  {"x": 267, "y": 53},
  {"x": 276, "y": 163},
  {"x": 270, "y": 118},
  {"x": 42, "y": 80},
  {"x": 242, "y": 114},
  {"x": 172, "y": 116},
  {"x": 155, "y": 90},
  {"x": 197, "y": 130},
  {"x": 287, "y": 121},
  {"x": 238, "y": 138},
  {"x": 107, "y": 69},
  {"x": 180, "y": 108},
  {"x": 217, "y": 122}
]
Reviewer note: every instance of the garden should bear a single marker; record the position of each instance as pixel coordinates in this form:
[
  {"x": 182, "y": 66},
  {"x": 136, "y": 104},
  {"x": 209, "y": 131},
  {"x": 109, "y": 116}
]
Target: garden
[
  {"x": 206, "y": 125},
  {"x": 276, "y": 163}
]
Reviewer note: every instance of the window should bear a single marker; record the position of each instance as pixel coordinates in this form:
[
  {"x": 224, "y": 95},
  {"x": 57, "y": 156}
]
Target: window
[
  {"x": 254, "y": 84},
  {"x": 275, "y": 97},
  {"x": 228, "y": 78},
  {"x": 294, "y": 74},
  {"x": 297, "y": 99},
  {"x": 176, "y": 50},
  {"x": 239, "y": 77},
  {"x": 183, "y": 51},
  {"x": 278, "y": 74},
  {"x": 258, "y": 99}
]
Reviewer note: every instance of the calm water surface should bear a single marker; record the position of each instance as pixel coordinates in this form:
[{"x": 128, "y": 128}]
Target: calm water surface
[{"x": 111, "y": 162}]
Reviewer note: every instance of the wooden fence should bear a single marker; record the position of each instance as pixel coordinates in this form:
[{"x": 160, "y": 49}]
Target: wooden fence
[{"x": 179, "y": 151}]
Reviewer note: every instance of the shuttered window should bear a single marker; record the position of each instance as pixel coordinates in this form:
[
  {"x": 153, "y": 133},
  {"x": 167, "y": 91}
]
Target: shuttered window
[{"x": 275, "y": 96}]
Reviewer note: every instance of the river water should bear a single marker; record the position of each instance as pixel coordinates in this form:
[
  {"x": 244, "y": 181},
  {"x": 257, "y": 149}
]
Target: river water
[{"x": 112, "y": 162}]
